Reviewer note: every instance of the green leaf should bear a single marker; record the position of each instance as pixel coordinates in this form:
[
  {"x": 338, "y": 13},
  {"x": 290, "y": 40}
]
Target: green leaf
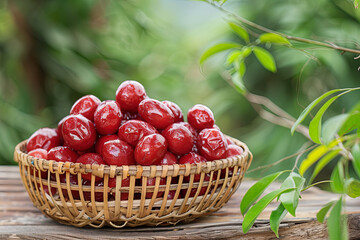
[
  {"x": 273, "y": 38},
  {"x": 332, "y": 126},
  {"x": 310, "y": 107},
  {"x": 344, "y": 229},
  {"x": 315, "y": 124},
  {"x": 334, "y": 221},
  {"x": 239, "y": 55},
  {"x": 256, "y": 190},
  {"x": 323, "y": 211},
  {"x": 239, "y": 83},
  {"x": 242, "y": 68},
  {"x": 351, "y": 123},
  {"x": 255, "y": 210},
  {"x": 323, "y": 162},
  {"x": 355, "y": 108},
  {"x": 216, "y": 49},
  {"x": 233, "y": 56},
  {"x": 265, "y": 58},
  {"x": 290, "y": 200},
  {"x": 246, "y": 51},
  {"x": 355, "y": 151},
  {"x": 337, "y": 178},
  {"x": 312, "y": 157},
  {"x": 352, "y": 187},
  {"x": 240, "y": 31},
  {"x": 276, "y": 217}
]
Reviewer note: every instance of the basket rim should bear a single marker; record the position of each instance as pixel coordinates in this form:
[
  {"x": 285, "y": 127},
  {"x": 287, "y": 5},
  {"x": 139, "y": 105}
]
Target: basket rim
[{"x": 243, "y": 159}]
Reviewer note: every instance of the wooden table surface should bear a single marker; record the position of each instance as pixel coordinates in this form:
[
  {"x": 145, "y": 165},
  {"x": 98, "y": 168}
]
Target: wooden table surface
[{"x": 19, "y": 219}]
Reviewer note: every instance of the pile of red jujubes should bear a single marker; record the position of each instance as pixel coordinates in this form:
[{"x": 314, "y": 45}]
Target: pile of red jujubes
[{"x": 133, "y": 130}]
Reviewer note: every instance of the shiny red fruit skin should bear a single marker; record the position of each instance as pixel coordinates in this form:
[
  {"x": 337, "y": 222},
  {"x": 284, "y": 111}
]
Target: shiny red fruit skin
[
  {"x": 134, "y": 130},
  {"x": 212, "y": 144},
  {"x": 150, "y": 149},
  {"x": 79, "y": 132},
  {"x": 59, "y": 129},
  {"x": 90, "y": 158},
  {"x": 175, "y": 109},
  {"x": 168, "y": 159},
  {"x": 41, "y": 154},
  {"x": 156, "y": 113},
  {"x": 129, "y": 94},
  {"x": 234, "y": 150},
  {"x": 62, "y": 154},
  {"x": 73, "y": 181},
  {"x": 179, "y": 138},
  {"x": 99, "y": 196},
  {"x": 118, "y": 152},
  {"x": 103, "y": 139},
  {"x": 200, "y": 117},
  {"x": 85, "y": 106},
  {"x": 191, "y": 129},
  {"x": 151, "y": 182},
  {"x": 192, "y": 158},
  {"x": 107, "y": 117},
  {"x": 216, "y": 127},
  {"x": 194, "y": 133},
  {"x": 124, "y": 183},
  {"x": 45, "y": 138}
]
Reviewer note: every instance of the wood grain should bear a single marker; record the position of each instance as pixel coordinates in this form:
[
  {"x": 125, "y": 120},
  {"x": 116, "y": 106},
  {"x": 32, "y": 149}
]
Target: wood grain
[{"x": 19, "y": 219}]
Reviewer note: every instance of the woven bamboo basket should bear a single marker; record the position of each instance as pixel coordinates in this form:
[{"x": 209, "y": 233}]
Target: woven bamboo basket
[{"x": 88, "y": 204}]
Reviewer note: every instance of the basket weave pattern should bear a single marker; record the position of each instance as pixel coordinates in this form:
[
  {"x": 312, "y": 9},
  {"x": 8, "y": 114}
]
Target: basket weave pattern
[{"x": 138, "y": 209}]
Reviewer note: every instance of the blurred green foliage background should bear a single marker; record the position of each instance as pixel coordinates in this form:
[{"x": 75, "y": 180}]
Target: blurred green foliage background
[{"x": 53, "y": 52}]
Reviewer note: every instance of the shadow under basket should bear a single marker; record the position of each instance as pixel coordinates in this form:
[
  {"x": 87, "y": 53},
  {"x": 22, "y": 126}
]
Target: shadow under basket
[{"x": 124, "y": 196}]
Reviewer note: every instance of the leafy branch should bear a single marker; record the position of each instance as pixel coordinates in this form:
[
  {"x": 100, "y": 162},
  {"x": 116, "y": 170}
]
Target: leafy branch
[
  {"x": 242, "y": 20},
  {"x": 237, "y": 68},
  {"x": 336, "y": 140}
]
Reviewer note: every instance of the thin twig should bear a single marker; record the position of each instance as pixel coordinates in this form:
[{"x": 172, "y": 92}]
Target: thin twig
[
  {"x": 344, "y": 152},
  {"x": 281, "y": 160},
  {"x": 289, "y": 37},
  {"x": 298, "y": 82},
  {"x": 314, "y": 184},
  {"x": 301, "y": 153},
  {"x": 276, "y": 115},
  {"x": 280, "y": 120},
  {"x": 261, "y": 100}
]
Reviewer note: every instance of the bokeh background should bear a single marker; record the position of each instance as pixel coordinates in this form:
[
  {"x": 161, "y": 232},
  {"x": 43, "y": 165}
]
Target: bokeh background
[{"x": 53, "y": 52}]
